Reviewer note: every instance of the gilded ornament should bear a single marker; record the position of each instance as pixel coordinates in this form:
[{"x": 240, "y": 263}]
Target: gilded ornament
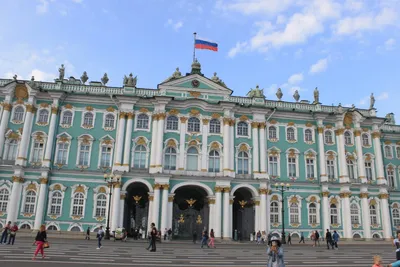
[
  {"x": 291, "y": 123},
  {"x": 79, "y": 189},
  {"x": 364, "y": 195},
  {"x": 43, "y": 180},
  {"x": 372, "y": 202},
  {"x": 181, "y": 219},
  {"x": 294, "y": 199},
  {"x": 173, "y": 112},
  {"x": 295, "y": 225},
  {"x": 192, "y": 143},
  {"x": 85, "y": 140},
  {"x": 242, "y": 203},
  {"x": 29, "y": 108},
  {"x": 310, "y": 155},
  {"x": 44, "y": 105},
  {"x": 131, "y": 115},
  {"x": 76, "y": 218},
  {"x": 102, "y": 190},
  {"x": 171, "y": 143},
  {"x": 383, "y": 196},
  {"x": 368, "y": 157},
  {"x": 211, "y": 201},
  {"x": 99, "y": 219},
  {"x": 162, "y": 116},
  {"x": 376, "y": 135},
  {"x": 21, "y": 91},
  {"x": 257, "y": 202},
  {"x": 13, "y": 135},
  {"x": 17, "y": 179},
  {"x": 6, "y": 106},
  {"x": 28, "y": 215},
  {"x": 273, "y": 122},
  {"x": 335, "y": 225},
  {"x": 157, "y": 186},
  {"x": 194, "y": 94},
  {"x": 122, "y": 115},
  {"x": 57, "y": 187},
  {"x": 137, "y": 199},
  {"x": 243, "y": 147},
  {"x": 274, "y": 198},
  {"x": 54, "y": 110},
  {"x": 143, "y": 110},
  {"x": 218, "y": 189},
  {"x": 333, "y": 201},
  {"x": 110, "y": 109},
  {"x": 194, "y": 112},
  {"x": 348, "y": 119},
  {"x": 151, "y": 198},
  {"x": 262, "y": 125},
  {"x": 227, "y": 189},
  {"x": 31, "y": 187},
  {"x": 183, "y": 119},
  {"x": 331, "y": 155},
  {"x": 263, "y": 191},
  {"x": 243, "y": 118},
  {"x": 165, "y": 186},
  {"x": 68, "y": 106},
  {"x": 357, "y": 133},
  {"x": 345, "y": 194},
  {"x": 273, "y": 152},
  {"x": 309, "y": 124},
  {"x": 292, "y": 153},
  {"x": 199, "y": 220},
  {"x": 191, "y": 201},
  {"x": 19, "y": 102},
  {"x": 141, "y": 141},
  {"x": 154, "y": 117},
  {"x": 63, "y": 139},
  {"x": 339, "y": 131},
  {"x": 387, "y": 142},
  {"x": 107, "y": 142},
  {"x": 328, "y": 126},
  {"x": 215, "y": 116},
  {"x": 395, "y": 206},
  {"x": 170, "y": 199},
  {"x": 313, "y": 199},
  {"x": 214, "y": 146},
  {"x": 206, "y": 121},
  {"x": 254, "y": 124},
  {"x": 226, "y": 121}
]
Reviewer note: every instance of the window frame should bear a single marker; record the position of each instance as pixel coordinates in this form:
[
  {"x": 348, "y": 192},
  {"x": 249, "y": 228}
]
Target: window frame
[
  {"x": 38, "y": 117},
  {"x": 84, "y": 139},
  {"x": 141, "y": 121},
  {"x": 348, "y": 138},
  {"x": 85, "y": 124},
  {"x": 105, "y": 119},
  {"x": 388, "y": 151},
  {"x": 355, "y": 215},
  {"x": 32, "y": 205},
  {"x": 271, "y": 138},
  {"x": 192, "y": 155},
  {"x": 168, "y": 121},
  {"x": 241, "y": 161},
  {"x": 368, "y": 138},
  {"x": 294, "y": 140},
  {"x": 217, "y": 125},
  {"x": 170, "y": 155},
  {"x": 311, "y": 134},
  {"x": 242, "y": 127},
  {"x": 4, "y": 199},
  {"x": 14, "y": 110},
  {"x": 216, "y": 159},
  {"x": 62, "y": 117},
  {"x": 193, "y": 125},
  {"x": 7, "y": 146},
  {"x": 332, "y": 136},
  {"x": 144, "y": 152}
]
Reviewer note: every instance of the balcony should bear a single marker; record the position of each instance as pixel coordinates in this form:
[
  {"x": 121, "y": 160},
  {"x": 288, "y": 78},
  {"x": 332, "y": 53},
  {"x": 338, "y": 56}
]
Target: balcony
[
  {"x": 355, "y": 181},
  {"x": 4, "y": 162}
]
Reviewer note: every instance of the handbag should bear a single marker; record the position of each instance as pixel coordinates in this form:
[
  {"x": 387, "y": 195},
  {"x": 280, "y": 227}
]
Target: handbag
[{"x": 46, "y": 245}]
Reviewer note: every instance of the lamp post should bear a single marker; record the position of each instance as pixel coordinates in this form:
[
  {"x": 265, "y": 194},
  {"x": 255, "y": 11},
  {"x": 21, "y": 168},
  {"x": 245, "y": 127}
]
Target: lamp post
[
  {"x": 111, "y": 180},
  {"x": 282, "y": 187}
]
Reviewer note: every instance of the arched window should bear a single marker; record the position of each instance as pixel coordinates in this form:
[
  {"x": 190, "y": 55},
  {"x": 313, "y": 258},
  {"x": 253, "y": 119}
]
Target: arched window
[
  {"x": 62, "y": 153},
  {"x": 84, "y": 154},
  {"x": 273, "y": 165},
  {"x": 213, "y": 161},
  {"x": 390, "y": 176},
  {"x": 368, "y": 169},
  {"x": 396, "y": 216},
  {"x": 398, "y": 152},
  {"x": 328, "y": 137},
  {"x": 88, "y": 119},
  {"x": 192, "y": 159},
  {"x": 347, "y": 138},
  {"x": 4, "y": 196},
  {"x": 142, "y": 121},
  {"x": 274, "y": 212},
  {"x": 272, "y": 132},
  {"x": 30, "y": 201},
  {"x": 355, "y": 215},
  {"x": 101, "y": 205},
  {"x": 11, "y": 149},
  {"x": 52, "y": 228},
  {"x": 170, "y": 159},
  {"x": 25, "y": 226},
  {"x": 365, "y": 139},
  {"x": 37, "y": 151},
  {"x": 78, "y": 204},
  {"x": 18, "y": 114},
  {"x": 67, "y": 118},
  {"x": 43, "y": 116},
  {"x": 312, "y": 213},
  {"x": 310, "y": 167},
  {"x": 215, "y": 126},
  {"x": 290, "y": 134},
  {"x": 292, "y": 167},
  {"x": 193, "y": 125},
  {"x": 294, "y": 213},
  {"x": 56, "y": 203},
  {"x": 106, "y": 152},
  {"x": 330, "y": 168},
  {"x": 334, "y": 214},
  {"x": 308, "y": 135},
  {"x": 172, "y": 123},
  {"x": 242, "y": 129},
  {"x": 243, "y": 163},
  {"x": 109, "y": 121},
  {"x": 388, "y": 152},
  {"x": 75, "y": 229},
  {"x": 373, "y": 215},
  {"x": 139, "y": 159},
  {"x": 350, "y": 169}
]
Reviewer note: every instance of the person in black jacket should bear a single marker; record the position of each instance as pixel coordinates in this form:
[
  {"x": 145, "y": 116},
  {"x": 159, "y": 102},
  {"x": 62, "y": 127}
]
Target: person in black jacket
[
  {"x": 328, "y": 238},
  {"x": 153, "y": 237},
  {"x": 40, "y": 239}
]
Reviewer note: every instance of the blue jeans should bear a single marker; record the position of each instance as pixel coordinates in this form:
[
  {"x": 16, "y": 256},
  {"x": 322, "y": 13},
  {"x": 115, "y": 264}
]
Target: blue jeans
[
  {"x": 396, "y": 264},
  {"x": 99, "y": 239},
  {"x": 204, "y": 241},
  {"x": 4, "y": 237}
]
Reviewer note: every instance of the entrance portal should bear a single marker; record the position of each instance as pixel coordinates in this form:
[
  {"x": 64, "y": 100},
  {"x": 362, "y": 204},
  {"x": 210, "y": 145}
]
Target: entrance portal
[
  {"x": 191, "y": 212},
  {"x": 243, "y": 214},
  {"x": 136, "y": 207}
]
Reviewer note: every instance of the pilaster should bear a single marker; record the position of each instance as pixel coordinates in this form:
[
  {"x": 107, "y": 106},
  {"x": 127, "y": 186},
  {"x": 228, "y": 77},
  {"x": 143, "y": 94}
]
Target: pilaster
[
  {"x": 385, "y": 215},
  {"x": 365, "y": 211},
  {"x": 204, "y": 145},
  {"x": 120, "y": 142},
  {"x": 128, "y": 140},
  {"x": 345, "y": 194},
  {"x": 5, "y": 117},
  {"x": 41, "y": 201},
  {"x": 380, "y": 170},
  {"x": 26, "y": 134},
  {"x": 182, "y": 143},
  {"x": 153, "y": 152}
]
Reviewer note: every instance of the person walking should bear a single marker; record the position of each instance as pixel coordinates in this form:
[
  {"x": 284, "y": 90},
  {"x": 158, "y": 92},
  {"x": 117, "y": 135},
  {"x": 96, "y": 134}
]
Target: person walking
[
  {"x": 302, "y": 238},
  {"x": 194, "y": 237},
  {"x": 6, "y": 232},
  {"x": 335, "y": 238},
  {"x": 275, "y": 254},
  {"x": 165, "y": 234},
  {"x": 258, "y": 238},
  {"x": 40, "y": 240},
  {"x": 317, "y": 238},
  {"x": 153, "y": 237},
  {"x": 87, "y": 237},
  {"x": 204, "y": 239},
  {"x": 313, "y": 238},
  {"x": 100, "y": 235},
  {"x": 13, "y": 233},
  {"x": 328, "y": 238},
  {"x": 212, "y": 239},
  {"x": 169, "y": 234},
  {"x": 269, "y": 239},
  {"x": 289, "y": 239}
]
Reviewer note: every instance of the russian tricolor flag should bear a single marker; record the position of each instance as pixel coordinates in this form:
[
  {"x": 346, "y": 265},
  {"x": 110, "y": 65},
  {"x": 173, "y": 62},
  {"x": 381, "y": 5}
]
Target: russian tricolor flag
[{"x": 201, "y": 44}]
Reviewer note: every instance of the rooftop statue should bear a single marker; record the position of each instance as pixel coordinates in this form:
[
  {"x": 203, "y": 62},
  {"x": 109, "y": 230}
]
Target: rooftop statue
[
  {"x": 130, "y": 81},
  {"x": 372, "y": 101},
  {"x": 257, "y": 92},
  {"x": 390, "y": 119},
  {"x": 61, "y": 72},
  {"x": 176, "y": 75},
  {"x": 105, "y": 79},
  {"x": 279, "y": 94},
  {"x": 296, "y": 96},
  {"x": 216, "y": 79},
  {"x": 316, "y": 96},
  {"x": 15, "y": 77},
  {"x": 84, "y": 77}
]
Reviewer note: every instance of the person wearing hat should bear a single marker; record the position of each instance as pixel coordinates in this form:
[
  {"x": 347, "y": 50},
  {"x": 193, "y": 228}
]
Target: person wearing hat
[{"x": 275, "y": 254}]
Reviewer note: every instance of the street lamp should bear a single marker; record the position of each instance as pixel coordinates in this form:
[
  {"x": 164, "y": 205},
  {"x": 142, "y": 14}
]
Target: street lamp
[
  {"x": 282, "y": 187},
  {"x": 111, "y": 180}
]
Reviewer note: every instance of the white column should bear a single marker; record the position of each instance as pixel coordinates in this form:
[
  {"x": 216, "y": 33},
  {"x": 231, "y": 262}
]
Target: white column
[
  {"x": 386, "y": 224},
  {"x": 218, "y": 212},
  {"x": 50, "y": 138},
  {"x": 321, "y": 151},
  {"x": 378, "y": 157},
  {"x": 325, "y": 211},
  {"x": 257, "y": 219},
  {"x": 26, "y": 134},
  {"x": 360, "y": 157},
  {"x": 263, "y": 206},
  {"x": 226, "y": 145},
  {"x": 211, "y": 215},
  {"x": 122, "y": 197},
  {"x": 256, "y": 167},
  {"x": 268, "y": 211},
  {"x": 232, "y": 148},
  {"x": 128, "y": 141},
  {"x": 40, "y": 203},
  {"x": 150, "y": 213},
  {"x": 153, "y": 152},
  {"x": 263, "y": 150},
  {"x": 156, "y": 205},
  {"x": 160, "y": 139},
  {"x": 346, "y": 216},
  {"x": 204, "y": 146},
  {"x": 343, "y": 173},
  {"x": 170, "y": 210},
  {"x": 3, "y": 125},
  {"x": 182, "y": 144},
  {"x": 366, "y": 223},
  {"x": 226, "y": 218},
  {"x": 115, "y": 210},
  {"x": 231, "y": 216},
  {"x": 14, "y": 199},
  {"x": 120, "y": 140},
  {"x": 164, "y": 208}
]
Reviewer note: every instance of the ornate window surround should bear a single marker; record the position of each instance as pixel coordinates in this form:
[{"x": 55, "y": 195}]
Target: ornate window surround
[
  {"x": 276, "y": 126},
  {"x": 397, "y": 147},
  {"x": 335, "y": 200},
  {"x": 83, "y": 139},
  {"x": 328, "y": 155},
  {"x": 63, "y": 110},
  {"x": 245, "y": 148},
  {"x": 368, "y": 134},
  {"x": 275, "y": 152},
  {"x": 221, "y": 127},
  {"x": 278, "y": 199},
  {"x": 249, "y": 133},
  {"x": 199, "y": 155},
  {"x": 63, "y": 137},
  {"x": 105, "y": 114},
  {"x": 310, "y": 154},
  {"x": 13, "y": 121},
  {"x": 290, "y": 200},
  {"x": 388, "y": 146},
  {"x": 333, "y": 137},
  {"x": 312, "y": 135},
  {"x": 394, "y": 168},
  {"x": 11, "y": 135},
  {"x": 150, "y": 120},
  {"x": 356, "y": 201},
  {"x": 5, "y": 184},
  {"x": 296, "y": 137},
  {"x": 370, "y": 157},
  {"x": 395, "y": 206},
  {"x": 106, "y": 141},
  {"x": 351, "y": 136},
  {"x": 317, "y": 201},
  {"x": 72, "y": 225},
  {"x": 48, "y": 116},
  {"x": 353, "y": 158},
  {"x": 84, "y": 126},
  {"x": 217, "y": 146},
  {"x": 100, "y": 190},
  {"x": 29, "y": 186},
  {"x": 377, "y": 203},
  {"x": 293, "y": 153},
  {"x": 166, "y": 122},
  {"x": 138, "y": 141},
  {"x": 75, "y": 189},
  {"x": 40, "y": 137},
  {"x": 52, "y": 189},
  {"x": 54, "y": 224}
]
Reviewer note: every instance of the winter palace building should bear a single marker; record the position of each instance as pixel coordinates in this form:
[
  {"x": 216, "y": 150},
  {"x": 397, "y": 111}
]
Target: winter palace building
[{"x": 188, "y": 155}]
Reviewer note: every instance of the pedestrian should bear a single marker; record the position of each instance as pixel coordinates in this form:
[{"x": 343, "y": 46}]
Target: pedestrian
[
  {"x": 396, "y": 243},
  {"x": 99, "y": 236},
  {"x": 140, "y": 233},
  {"x": 194, "y": 237},
  {"x": 258, "y": 238},
  {"x": 13, "y": 233},
  {"x": 6, "y": 232},
  {"x": 313, "y": 238},
  {"x": 289, "y": 239},
  {"x": 275, "y": 254},
  {"x": 153, "y": 237},
  {"x": 328, "y": 238},
  {"x": 165, "y": 234},
  {"x": 204, "y": 239},
  {"x": 317, "y": 238},
  {"x": 212, "y": 238},
  {"x": 87, "y": 237},
  {"x": 170, "y": 234},
  {"x": 40, "y": 240},
  {"x": 269, "y": 239},
  {"x": 302, "y": 238},
  {"x": 335, "y": 238},
  {"x": 378, "y": 262}
]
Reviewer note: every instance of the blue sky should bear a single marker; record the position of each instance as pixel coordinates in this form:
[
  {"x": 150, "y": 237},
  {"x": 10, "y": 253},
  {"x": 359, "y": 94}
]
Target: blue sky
[{"x": 348, "y": 48}]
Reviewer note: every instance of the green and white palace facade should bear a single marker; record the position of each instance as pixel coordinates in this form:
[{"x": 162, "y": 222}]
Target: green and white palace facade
[{"x": 189, "y": 155}]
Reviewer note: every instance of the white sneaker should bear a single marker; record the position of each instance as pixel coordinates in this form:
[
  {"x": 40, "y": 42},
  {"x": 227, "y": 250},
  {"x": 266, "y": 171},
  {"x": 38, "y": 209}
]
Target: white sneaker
[
  {"x": 97, "y": 248},
  {"x": 101, "y": 246}
]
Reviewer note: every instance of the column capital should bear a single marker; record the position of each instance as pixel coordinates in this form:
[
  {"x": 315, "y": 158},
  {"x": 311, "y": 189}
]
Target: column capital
[
  {"x": 117, "y": 184},
  {"x": 325, "y": 194},
  {"x": 255, "y": 125},
  {"x": 157, "y": 186},
  {"x": 43, "y": 180},
  {"x": 357, "y": 132},
  {"x": 30, "y": 108},
  {"x": 262, "y": 125},
  {"x": 122, "y": 115},
  {"x": 364, "y": 195},
  {"x": 231, "y": 202},
  {"x": 226, "y": 189},
  {"x": 218, "y": 189},
  {"x": 320, "y": 130},
  {"x": 183, "y": 119},
  {"x": 6, "y": 106},
  {"x": 151, "y": 198},
  {"x": 162, "y": 116},
  {"x": 226, "y": 121},
  {"x": 257, "y": 203},
  {"x": 376, "y": 135},
  {"x": 165, "y": 186},
  {"x": 345, "y": 194},
  {"x": 339, "y": 131},
  {"x": 122, "y": 196},
  {"x": 17, "y": 179},
  {"x": 206, "y": 121},
  {"x": 54, "y": 110},
  {"x": 383, "y": 195},
  {"x": 263, "y": 191},
  {"x": 131, "y": 115},
  {"x": 171, "y": 199}
]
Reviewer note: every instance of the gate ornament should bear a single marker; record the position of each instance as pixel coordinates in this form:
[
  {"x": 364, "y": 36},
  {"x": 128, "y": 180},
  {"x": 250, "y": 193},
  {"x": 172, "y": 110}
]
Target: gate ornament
[
  {"x": 199, "y": 220},
  {"x": 191, "y": 201},
  {"x": 242, "y": 203},
  {"x": 181, "y": 219},
  {"x": 137, "y": 199}
]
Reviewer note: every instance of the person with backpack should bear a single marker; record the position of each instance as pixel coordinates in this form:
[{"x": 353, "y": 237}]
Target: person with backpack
[
  {"x": 328, "y": 238},
  {"x": 100, "y": 235},
  {"x": 335, "y": 238}
]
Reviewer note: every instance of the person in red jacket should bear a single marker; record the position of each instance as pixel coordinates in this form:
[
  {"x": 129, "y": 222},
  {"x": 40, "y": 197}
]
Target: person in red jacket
[{"x": 13, "y": 233}]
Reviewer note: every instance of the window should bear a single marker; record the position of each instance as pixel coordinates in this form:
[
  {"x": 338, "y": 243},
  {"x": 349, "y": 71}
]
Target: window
[
  {"x": 294, "y": 213},
  {"x": 272, "y": 132},
  {"x": 355, "y": 216},
  {"x": 30, "y": 201},
  {"x": 292, "y": 167},
  {"x": 388, "y": 152},
  {"x": 390, "y": 176},
  {"x": 334, "y": 214},
  {"x": 312, "y": 214},
  {"x": 273, "y": 166},
  {"x": 213, "y": 161},
  {"x": 274, "y": 212},
  {"x": 373, "y": 215},
  {"x": 37, "y": 152},
  {"x": 109, "y": 121},
  {"x": 4, "y": 196},
  {"x": 192, "y": 159},
  {"x": 84, "y": 153},
  {"x": 350, "y": 169},
  {"x": 310, "y": 168},
  {"x": 172, "y": 123},
  {"x": 243, "y": 163},
  {"x": 368, "y": 170},
  {"x": 75, "y": 229},
  {"x": 142, "y": 121},
  {"x": 328, "y": 137},
  {"x": 11, "y": 149},
  {"x": 330, "y": 168},
  {"x": 242, "y": 129},
  {"x": 347, "y": 138},
  {"x": 52, "y": 228},
  {"x": 101, "y": 204},
  {"x": 78, "y": 204},
  {"x": 67, "y": 118},
  {"x": 25, "y": 226},
  {"x": 170, "y": 159},
  {"x": 139, "y": 159},
  {"x": 62, "y": 153},
  {"x": 398, "y": 151},
  {"x": 43, "y": 116},
  {"x": 88, "y": 119},
  {"x": 18, "y": 114},
  {"x": 365, "y": 139},
  {"x": 193, "y": 125},
  {"x": 105, "y": 160},
  {"x": 396, "y": 216},
  {"x": 290, "y": 134},
  {"x": 215, "y": 126},
  {"x": 308, "y": 135},
  {"x": 56, "y": 203}
]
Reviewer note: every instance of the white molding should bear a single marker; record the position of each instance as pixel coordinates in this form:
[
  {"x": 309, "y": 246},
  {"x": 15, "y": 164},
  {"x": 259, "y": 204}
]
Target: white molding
[
  {"x": 252, "y": 189},
  {"x": 351, "y": 138},
  {"x": 73, "y": 193},
  {"x": 33, "y": 141},
  {"x": 296, "y": 137},
  {"x": 24, "y": 193},
  {"x": 209, "y": 191},
  {"x": 312, "y": 135},
  {"x": 335, "y": 163},
  {"x": 50, "y": 197},
  {"x": 372, "y": 165},
  {"x": 314, "y": 158},
  {"x": 72, "y": 225},
  {"x": 249, "y": 157},
  {"x": 80, "y": 139},
  {"x": 146, "y": 146},
  {"x": 277, "y": 133},
  {"x": 297, "y": 153},
  {"x": 57, "y": 148},
  {"x": 248, "y": 136},
  {"x": 166, "y": 123},
  {"x": 101, "y": 145},
  {"x": 369, "y": 140}
]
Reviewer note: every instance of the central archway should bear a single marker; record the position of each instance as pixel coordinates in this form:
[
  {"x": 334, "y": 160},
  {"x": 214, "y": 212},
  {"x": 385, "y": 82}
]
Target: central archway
[
  {"x": 136, "y": 208},
  {"x": 243, "y": 220}
]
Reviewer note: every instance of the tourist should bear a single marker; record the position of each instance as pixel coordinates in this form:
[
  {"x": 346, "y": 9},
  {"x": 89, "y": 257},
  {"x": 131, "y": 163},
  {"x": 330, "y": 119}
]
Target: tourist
[
  {"x": 149, "y": 238},
  {"x": 87, "y": 237},
  {"x": 269, "y": 239},
  {"x": 6, "y": 232},
  {"x": 328, "y": 238},
  {"x": 317, "y": 238},
  {"x": 140, "y": 232},
  {"x": 99, "y": 236},
  {"x": 396, "y": 243},
  {"x": 302, "y": 238},
  {"x": 40, "y": 240},
  {"x": 13, "y": 233},
  {"x": 212, "y": 239},
  {"x": 194, "y": 237},
  {"x": 378, "y": 262},
  {"x": 153, "y": 237},
  {"x": 275, "y": 254},
  {"x": 258, "y": 238},
  {"x": 313, "y": 239},
  {"x": 170, "y": 234},
  {"x": 335, "y": 238},
  {"x": 204, "y": 239},
  {"x": 289, "y": 239},
  {"x": 165, "y": 234}
]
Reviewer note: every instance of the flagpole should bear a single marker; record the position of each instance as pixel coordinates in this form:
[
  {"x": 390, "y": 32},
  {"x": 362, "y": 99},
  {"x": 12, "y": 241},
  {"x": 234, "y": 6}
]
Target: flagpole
[{"x": 194, "y": 47}]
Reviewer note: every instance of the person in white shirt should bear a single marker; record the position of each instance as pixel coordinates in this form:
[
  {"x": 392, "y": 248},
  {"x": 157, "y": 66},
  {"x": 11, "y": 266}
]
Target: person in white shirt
[{"x": 100, "y": 235}]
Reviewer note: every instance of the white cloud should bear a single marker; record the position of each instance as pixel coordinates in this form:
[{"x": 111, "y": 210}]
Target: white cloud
[
  {"x": 249, "y": 7},
  {"x": 176, "y": 25},
  {"x": 41, "y": 75},
  {"x": 43, "y": 7},
  {"x": 390, "y": 43},
  {"x": 383, "y": 96},
  {"x": 78, "y": 1},
  {"x": 296, "y": 78},
  {"x": 239, "y": 47},
  {"x": 353, "y": 5},
  {"x": 320, "y": 66}
]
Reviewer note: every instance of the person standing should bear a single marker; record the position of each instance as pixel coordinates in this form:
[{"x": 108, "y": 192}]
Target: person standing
[
  {"x": 40, "y": 239},
  {"x": 194, "y": 237},
  {"x": 87, "y": 237},
  {"x": 317, "y": 238},
  {"x": 100, "y": 235},
  {"x": 275, "y": 254},
  {"x": 269, "y": 239},
  {"x": 289, "y": 239},
  {"x": 212, "y": 239},
  {"x": 6, "y": 232},
  {"x": 335, "y": 238},
  {"x": 13, "y": 233},
  {"x": 302, "y": 238},
  {"x": 165, "y": 234},
  {"x": 153, "y": 237},
  {"x": 170, "y": 234},
  {"x": 258, "y": 238},
  {"x": 313, "y": 239},
  {"x": 204, "y": 239},
  {"x": 328, "y": 238}
]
